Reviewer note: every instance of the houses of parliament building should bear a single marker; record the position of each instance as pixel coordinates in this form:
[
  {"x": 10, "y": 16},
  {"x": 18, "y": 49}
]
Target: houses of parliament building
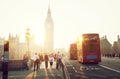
[{"x": 17, "y": 49}]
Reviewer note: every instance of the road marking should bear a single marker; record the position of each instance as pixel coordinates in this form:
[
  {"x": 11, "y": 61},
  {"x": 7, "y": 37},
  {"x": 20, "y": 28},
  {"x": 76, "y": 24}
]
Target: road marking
[
  {"x": 110, "y": 68},
  {"x": 15, "y": 76},
  {"x": 89, "y": 68},
  {"x": 74, "y": 69}
]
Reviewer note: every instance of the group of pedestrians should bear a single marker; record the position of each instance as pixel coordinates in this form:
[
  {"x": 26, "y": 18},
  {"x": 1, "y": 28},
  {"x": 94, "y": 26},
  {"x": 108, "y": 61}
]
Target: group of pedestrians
[{"x": 49, "y": 59}]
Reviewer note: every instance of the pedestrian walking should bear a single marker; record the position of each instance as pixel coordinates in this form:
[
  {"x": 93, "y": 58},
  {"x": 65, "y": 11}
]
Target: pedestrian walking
[
  {"x": 46, "y": 60},
  {"x": 51, "y": 60},
  {"x": 25, "y": 60},
  {"x": 58, "y": 60},
  {"x": 4, "y": 65},
  {"x": 36, "y": 61},
  {"x": 40, "y": 60}
]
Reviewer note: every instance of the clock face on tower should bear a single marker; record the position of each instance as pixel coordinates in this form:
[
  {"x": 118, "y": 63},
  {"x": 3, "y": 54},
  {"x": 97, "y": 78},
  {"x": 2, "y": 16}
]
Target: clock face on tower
[{"x": 48, "y": 26}]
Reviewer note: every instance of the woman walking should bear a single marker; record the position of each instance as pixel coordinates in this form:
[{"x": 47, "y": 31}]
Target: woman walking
[{"x": 51, "y": 60}]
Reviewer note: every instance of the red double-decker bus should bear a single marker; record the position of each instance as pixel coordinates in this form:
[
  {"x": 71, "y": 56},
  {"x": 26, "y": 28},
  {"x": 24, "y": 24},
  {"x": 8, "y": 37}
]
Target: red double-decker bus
[
  {"x": 89, "y": 48},
  {"x": 73, "y": 51}
]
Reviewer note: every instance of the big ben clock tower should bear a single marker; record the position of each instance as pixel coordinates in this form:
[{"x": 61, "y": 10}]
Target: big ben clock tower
[{"x": 49, "y": 33}]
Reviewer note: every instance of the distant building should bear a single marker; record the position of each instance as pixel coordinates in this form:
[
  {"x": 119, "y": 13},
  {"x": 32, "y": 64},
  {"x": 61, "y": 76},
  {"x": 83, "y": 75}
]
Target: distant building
[
  {"x": 106, "y": 46},
  {"x": 116, "y": 47},
  {"x": 49, "y": 33},
  {"x": 118, "y": 42},
  {"x": 14, "y": 47}
]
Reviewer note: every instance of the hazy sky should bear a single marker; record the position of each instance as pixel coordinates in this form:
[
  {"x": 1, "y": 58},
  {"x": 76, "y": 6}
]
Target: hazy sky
[{"x": 71, "y": 18}]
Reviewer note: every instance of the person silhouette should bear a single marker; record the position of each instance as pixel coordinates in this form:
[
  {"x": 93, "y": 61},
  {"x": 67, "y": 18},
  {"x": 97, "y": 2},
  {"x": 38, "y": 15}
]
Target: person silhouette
[
  {"x": 36, "y": 61},
  {"x": 46, "y": 60}
]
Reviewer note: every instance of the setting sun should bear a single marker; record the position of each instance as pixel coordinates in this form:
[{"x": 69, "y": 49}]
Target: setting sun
[
  {"x": 38, "y": 36},
  {"x": 39, "y": 39}
]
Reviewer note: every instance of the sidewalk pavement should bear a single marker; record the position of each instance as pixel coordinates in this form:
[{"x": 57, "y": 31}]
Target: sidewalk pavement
[{"x": 42, "y": 73}]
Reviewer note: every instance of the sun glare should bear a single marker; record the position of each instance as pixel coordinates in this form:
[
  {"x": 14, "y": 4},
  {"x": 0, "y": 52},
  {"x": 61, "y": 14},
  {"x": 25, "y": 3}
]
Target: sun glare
[
  {"x": 39, "y": 39},
  {"x": 38, "y": 36},
  {"x": 79, "y": 39}
]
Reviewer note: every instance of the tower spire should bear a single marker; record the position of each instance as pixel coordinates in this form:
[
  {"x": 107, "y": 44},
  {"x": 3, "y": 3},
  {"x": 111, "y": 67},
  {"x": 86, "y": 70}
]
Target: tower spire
[
  {"x": 49, "y": 32},
  {"x": 49, "y": 12}
]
